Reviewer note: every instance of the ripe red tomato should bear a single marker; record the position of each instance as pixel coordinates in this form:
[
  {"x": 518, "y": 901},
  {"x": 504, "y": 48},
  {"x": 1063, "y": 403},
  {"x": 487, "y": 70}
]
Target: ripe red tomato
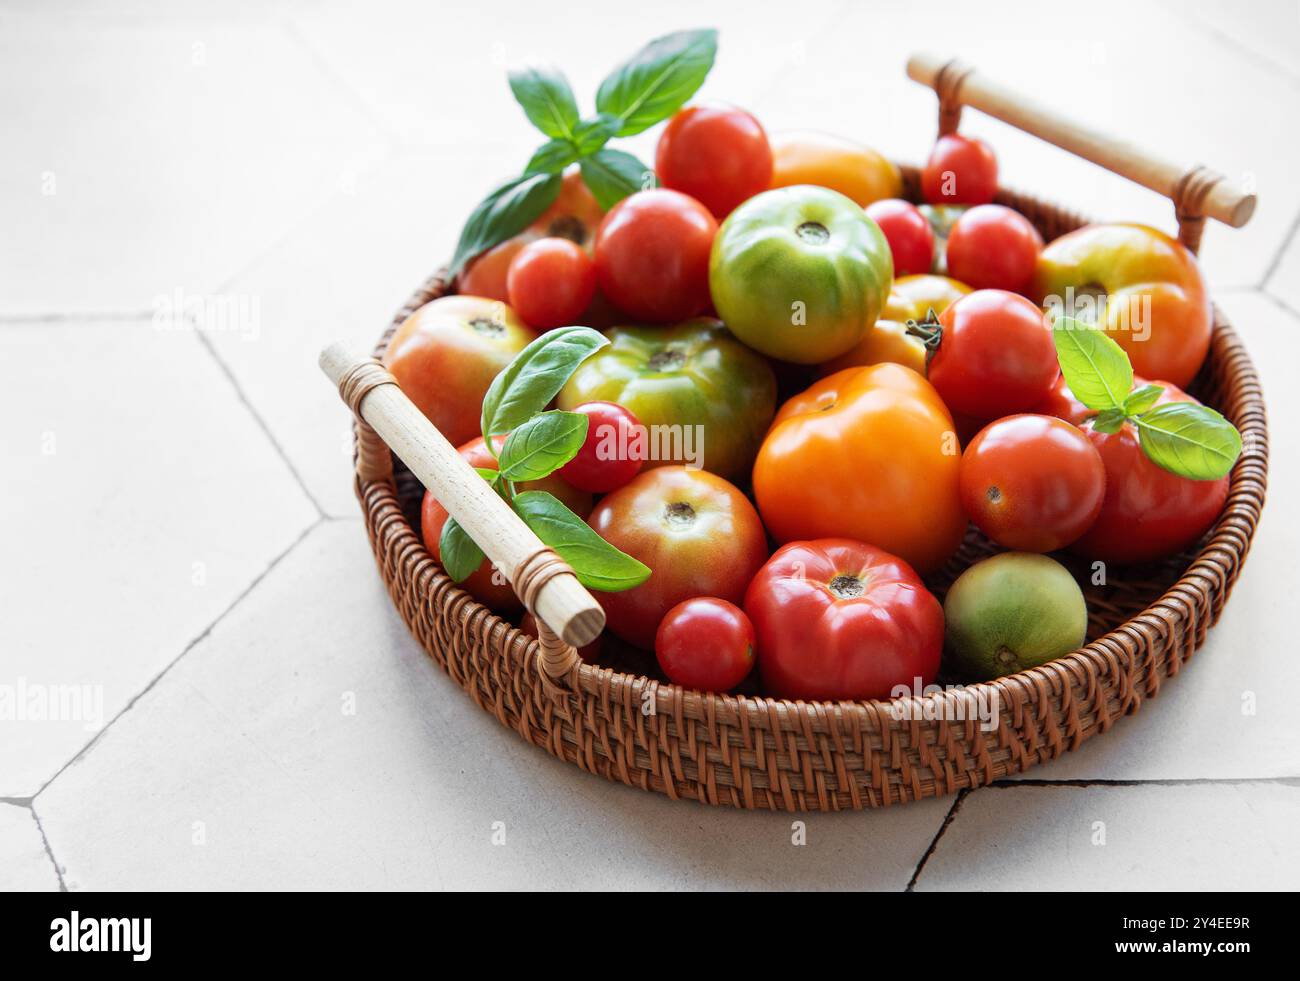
[
  {"x": 699, "y": 535},
  {"x": 910, "y": 237},
  {"x": 551, "y": 281},
  {"x": 1148, "y": 512},
  {"x": 995, "y": 356},
  {"x": 652, "y": 255},
  {"x": 1032, "y": 483},
  {"x": 613, "y": 452},
  {"x": 719, "y": 155},
  {"x": 992, "y": 247},
  {"x": 705, "y": 643},
  {"x": 961, "y": 170},
  {"x": 838, "y": 619}
]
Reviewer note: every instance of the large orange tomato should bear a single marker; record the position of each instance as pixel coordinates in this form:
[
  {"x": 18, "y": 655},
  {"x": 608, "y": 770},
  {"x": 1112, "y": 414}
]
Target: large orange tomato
[
  {"x": 868, "y": 453},
  {"x": 856, "y": 171}
]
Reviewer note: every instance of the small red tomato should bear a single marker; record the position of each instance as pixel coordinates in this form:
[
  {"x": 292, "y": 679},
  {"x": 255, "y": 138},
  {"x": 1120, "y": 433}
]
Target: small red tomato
[
  {"x": 961, "y": 170},
  {"x": 705, "y": 643},
  {"x": 992, "y": 247},
  {"x": 613, "y": 451},
  {"x": 551, "y": 281},
  {"x": 652, "y": 255},
  {"x": 910, "y": 237},
  {"x": 995, "y": 355},
  {"x": 719, "y": 155},
  {"x": 1032, "y": 483}
]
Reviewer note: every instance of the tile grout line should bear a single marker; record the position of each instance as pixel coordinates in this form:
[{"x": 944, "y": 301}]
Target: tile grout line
[
  {"x": 1241, "y": 48},
  {"x": 58, "y": 869},
  {"x": 934, "y": 842},
  {"x": 1005, "y": 784},
  {"x": 1281, "y": 251}
]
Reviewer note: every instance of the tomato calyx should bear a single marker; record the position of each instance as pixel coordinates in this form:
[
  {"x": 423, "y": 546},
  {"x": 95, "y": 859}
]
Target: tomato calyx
[
  {"x": 488, "y": 326},
  {"x": 929, "y": 331},
  {"x": 846, "y": 585},
  {"x": 669, "y": 359},
  {"x": 679, "y": 515},
  {"x": 814, "y": 232}
]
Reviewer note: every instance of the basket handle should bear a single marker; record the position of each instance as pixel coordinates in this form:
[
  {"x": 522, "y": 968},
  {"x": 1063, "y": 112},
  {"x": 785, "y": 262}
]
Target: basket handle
[
  {"x": 547, "y": 586},
  {"x": 1197, "y": 192}
]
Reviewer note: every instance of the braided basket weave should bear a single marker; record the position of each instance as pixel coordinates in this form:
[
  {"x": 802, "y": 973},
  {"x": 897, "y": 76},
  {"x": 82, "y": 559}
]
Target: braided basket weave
[{"x": 756, "y": 752}]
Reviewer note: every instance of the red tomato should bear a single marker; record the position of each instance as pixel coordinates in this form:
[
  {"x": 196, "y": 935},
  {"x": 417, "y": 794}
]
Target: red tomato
[
  {"x": 1032, "y": 483},
  {"x": 589, "y": 654},
  {"x": 611, "y": 455},
  {"x": 719, "y": 155},
  {"x": 992, "y": 247},
  {"x": 995, "y": 356},
  {"x": 551, "y": 281},
  {"x": 705, "y": 643},
  {"x": 1060, "y": 402},
  {"x": 1148, "y": 512},
  {"x": 652, "y": 255},
  {"x": 961, "y": 170},
  {"x": 910, "y": 237},
  {"x": 839, "y": 619},
  {"x": 699, "y": 535}
]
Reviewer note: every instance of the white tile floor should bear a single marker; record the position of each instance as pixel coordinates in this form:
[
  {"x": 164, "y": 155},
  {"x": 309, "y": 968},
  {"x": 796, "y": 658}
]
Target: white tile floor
[{"x": 257, "y": 716}]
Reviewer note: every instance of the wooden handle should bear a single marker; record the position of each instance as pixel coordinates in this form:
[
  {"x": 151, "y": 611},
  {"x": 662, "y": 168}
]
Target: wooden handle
[
  {"x": 561, "y": 603},
  {"x": 1196, "y": 191}
]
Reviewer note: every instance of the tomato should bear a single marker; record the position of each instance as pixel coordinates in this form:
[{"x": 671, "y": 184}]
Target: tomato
[
  {"x": 856, "y": 171},
  {"x": 837, "y": 619},
  {"x": 446, "y": 354},
  {"x": 589, "y": 654},
  {"x": 704, "y": 398},
  {"x": 705, "y": 643},
  {"x": 1060, "y": 402},
  {"x": 485, "y": 583},
  {"x": 800, "y": 273},
  {"x": 652, "y": 255},
  {"x": 868, "y": 453},
  {"x": 1148, "y": 512},
  {"x": 551, "y": 281},
  {"x": 1032, "y": 483},
  {"x": 719, "y": 155},
  {"x": 1143, "y": 286},
  {"x": 995, "y": 355},
  {"x": 699, "y": 535},
  {"x": 910, "y": 237},
  {"x": 961, "y": 170},
  {"x": 612, "y": 453},
  {"x": 992, "y": 247}
]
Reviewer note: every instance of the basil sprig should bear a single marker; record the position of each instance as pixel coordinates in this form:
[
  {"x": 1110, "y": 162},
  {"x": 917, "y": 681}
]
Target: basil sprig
[
  {"x": 1185, "y": 438},
  {"x": 646, "y": 89}
]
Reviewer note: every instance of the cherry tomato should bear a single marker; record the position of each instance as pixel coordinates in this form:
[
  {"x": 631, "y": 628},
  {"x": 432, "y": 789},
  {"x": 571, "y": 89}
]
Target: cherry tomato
[
  {"x": 839, "y": 619},
  {"x": 856, "y": 171},
  {"x": 910, "y": 237},
  {"x": 705, "y": 643},
  {"x": 961, "y": 170},
  {"x": 612, "y": 454},
  {"x": 652, "y": 255},
  {"x": 1032, "y": 483},
  {"x": 589, "y": 654},
  {"x": 992, "y": 247},
  {"x": 551, "y": 281},
  {"x": 995, "y": 355},
  {"x": 719, "y": 155}
]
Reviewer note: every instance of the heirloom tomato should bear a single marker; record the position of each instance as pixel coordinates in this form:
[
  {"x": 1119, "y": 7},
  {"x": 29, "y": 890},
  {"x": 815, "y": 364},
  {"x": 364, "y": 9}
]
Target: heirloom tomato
[
  {"x": 705, "y": 643},
  {"x": 961, "y": 170},
  {"x": 719, "y": 155},
  {"x": 856, "y": 171}
]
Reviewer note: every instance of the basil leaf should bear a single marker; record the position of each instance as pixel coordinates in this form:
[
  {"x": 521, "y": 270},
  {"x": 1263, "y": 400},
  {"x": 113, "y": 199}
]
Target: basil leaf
[
  {"x": 1096, "y": 369},
  {"x": 535, "y": 376},
  {"x": 505, "y": 212},
  {"x": 1190, "y": 440},
  {"x": 457, "y": 552},
  {"x": 596, "y": 563},
  {"x": 1141, "y": 399},
  {"x": 1108, "y": 420},
  {"x": 542, "y": 445},
  {"x": 656, "y": 81},
  {"x": 612, "y": 175},
  {"x": 547, "y": 99},
  {"x": 552, "y": 157},
  {"x": 592, "y": 134}
]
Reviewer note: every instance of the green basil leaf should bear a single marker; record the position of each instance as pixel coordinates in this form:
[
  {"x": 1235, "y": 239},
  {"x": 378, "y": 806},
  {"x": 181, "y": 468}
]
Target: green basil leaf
[
  {"x": 552, "y": 157},
  {"x": 596, "y": 563},
  {"x": 542, "y": 445},
  {"x": 1190, "y": 440},
  {"x": 1108, "y": 420},
  {"x": 507, "y": 211},
  {"x": 1095, "y": 367},
  {"x": 459, "y": 553},
  {"x": 1141, "y": 399},
  {"x": 547, "y": 99},
  {"x": 592, "y": 134},
  {"x": 656, "y": 81},
  {"x": 614, "y": 174},
  {"x": 488, "y": 474},
  {"x": 535, "y": 376}
]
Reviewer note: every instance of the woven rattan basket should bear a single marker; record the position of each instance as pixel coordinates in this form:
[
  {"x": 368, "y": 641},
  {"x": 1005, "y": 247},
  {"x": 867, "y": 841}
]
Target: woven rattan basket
[{"x": 756, "y": 752}]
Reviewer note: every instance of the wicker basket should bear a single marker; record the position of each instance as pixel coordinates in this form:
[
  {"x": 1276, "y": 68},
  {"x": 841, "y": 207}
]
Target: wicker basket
[{"x": 756, "y": 752}]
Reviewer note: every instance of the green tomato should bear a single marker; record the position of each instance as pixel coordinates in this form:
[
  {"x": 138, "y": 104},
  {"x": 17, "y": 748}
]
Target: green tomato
[
  {"x": 800, "y": 273},
  {"x": 705, "y": 399}
]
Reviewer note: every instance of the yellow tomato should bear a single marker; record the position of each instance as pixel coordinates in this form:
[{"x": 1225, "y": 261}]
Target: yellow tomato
[
  {"x": 856, "y": 171},
  {"x": 888, "y": 341}
]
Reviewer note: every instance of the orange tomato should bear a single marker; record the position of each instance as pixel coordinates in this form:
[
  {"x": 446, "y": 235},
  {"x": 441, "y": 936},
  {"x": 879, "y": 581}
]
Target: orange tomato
[
  {"x": 869, "y": 454},
  {"x": 856, "y": 171}
]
